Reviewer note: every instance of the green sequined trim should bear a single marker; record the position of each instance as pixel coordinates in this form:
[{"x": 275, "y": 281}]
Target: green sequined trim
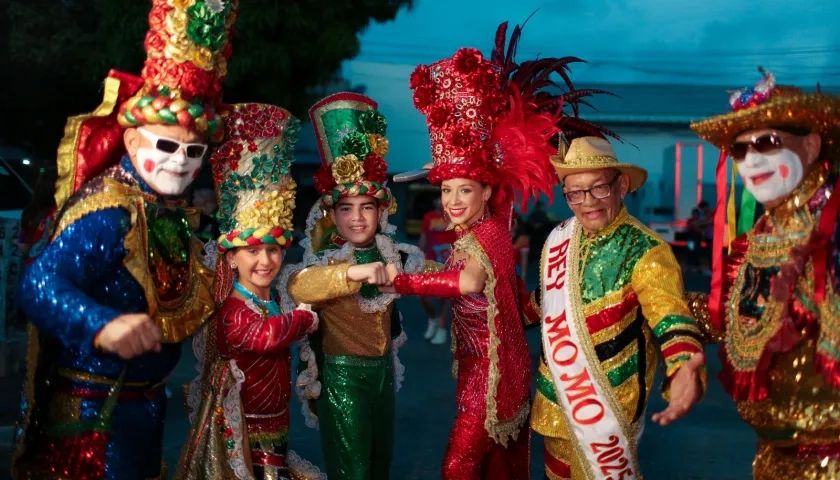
[
  {"x": 608, "y": 261},
  {"x": 678, "y": 360},
  {"x": 620, "y": 374},
  {"x": 669, "y": 321},
  {"x": 364, "y": 256},
  {"x": 354, "y": 361},
  {"x": 546, "y": 387}
]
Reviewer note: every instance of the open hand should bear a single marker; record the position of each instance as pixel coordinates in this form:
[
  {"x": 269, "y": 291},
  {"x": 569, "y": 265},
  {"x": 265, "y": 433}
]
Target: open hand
[
  {"x": 130, "y": 335},
  {"x": 686, "y": 390}
]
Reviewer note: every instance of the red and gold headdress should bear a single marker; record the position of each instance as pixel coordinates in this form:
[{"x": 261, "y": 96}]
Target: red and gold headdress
[
  {"x": 495, "y": 121},
  {"x": 252, "y": 176},
  {"x": 187, "y": 49}
]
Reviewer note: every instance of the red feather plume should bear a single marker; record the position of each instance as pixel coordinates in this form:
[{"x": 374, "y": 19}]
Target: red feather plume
[{"x": 539, "y": 108}]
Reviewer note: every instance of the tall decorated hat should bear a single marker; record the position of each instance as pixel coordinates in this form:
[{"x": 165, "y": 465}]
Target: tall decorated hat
[
  {"x": 252, "y": 176},
  {"x": 350, "y": 132},
  {"x": 187, "y": 49},
  {"x": 351, "y": 140},
  {"x": 495, "y": 121}
]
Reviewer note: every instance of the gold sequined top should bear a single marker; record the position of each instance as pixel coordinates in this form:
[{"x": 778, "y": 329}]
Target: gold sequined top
[
  {"x": 345, "y": 329},
  {"x": 789, "y": 402}
]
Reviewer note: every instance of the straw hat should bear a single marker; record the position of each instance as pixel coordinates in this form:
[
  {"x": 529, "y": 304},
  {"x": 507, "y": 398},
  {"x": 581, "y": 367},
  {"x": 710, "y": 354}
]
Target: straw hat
[
  {"x": 586, "y": 154},
  {"x": 768, "y": 105}
]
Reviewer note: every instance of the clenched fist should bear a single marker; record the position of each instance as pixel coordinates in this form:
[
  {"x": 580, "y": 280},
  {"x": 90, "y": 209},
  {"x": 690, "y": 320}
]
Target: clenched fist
[
  {"x": 130, "y": 335},
  {"x": 371, "y": 273}
]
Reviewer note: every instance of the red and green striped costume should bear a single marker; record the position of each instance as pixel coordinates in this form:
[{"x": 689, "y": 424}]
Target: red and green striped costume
[{"x": 632, "y": 297}]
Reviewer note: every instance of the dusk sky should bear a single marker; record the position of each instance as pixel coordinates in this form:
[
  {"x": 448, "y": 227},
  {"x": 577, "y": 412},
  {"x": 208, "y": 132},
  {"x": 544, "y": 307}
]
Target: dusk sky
[
  {"x": 713, "y": 41},
  {"x": 718, "y": 43}
]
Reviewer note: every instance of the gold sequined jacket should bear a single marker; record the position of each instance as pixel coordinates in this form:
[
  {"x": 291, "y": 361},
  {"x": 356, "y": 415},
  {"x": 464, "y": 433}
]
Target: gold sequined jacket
[
  {"x": 634, "y": 307},
  {"x": 781, "y": 345}
]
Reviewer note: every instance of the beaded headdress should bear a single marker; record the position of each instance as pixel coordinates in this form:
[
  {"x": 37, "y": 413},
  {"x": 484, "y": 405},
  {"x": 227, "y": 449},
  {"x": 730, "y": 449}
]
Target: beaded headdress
[
  {"x": 252, "y": 176},
  {"x": 497, "y": 122},
  {"x": 768, "y": 105},
  {"x": 187, "y": 49},
  {"x": 351, "y": 140}
]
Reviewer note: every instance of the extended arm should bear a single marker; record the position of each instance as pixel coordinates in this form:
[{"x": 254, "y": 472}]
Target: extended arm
[
  {"x": 657, "y": 280},
  {"x": 317, "y": 284},
  {"x": 247, "y": 331},
  {"x": 447, "y": 284},
  {"x": 53, "y": 289}
]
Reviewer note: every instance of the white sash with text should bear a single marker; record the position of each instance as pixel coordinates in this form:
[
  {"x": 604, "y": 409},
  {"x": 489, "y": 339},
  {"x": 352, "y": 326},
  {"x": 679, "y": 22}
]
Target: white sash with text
[{"x": 594, "y": 425}]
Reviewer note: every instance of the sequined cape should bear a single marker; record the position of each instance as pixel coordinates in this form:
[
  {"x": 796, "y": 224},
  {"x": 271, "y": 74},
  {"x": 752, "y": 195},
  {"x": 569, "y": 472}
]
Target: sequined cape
[
  {"x": 508, "y": 386},
  {"x": 782, "y": 358},
  {"x": 252, "y": 371},
  {"x": 349, "y": 323},
  {"x": 95, "y": 269},
  {"x": 633, "y": 302}
]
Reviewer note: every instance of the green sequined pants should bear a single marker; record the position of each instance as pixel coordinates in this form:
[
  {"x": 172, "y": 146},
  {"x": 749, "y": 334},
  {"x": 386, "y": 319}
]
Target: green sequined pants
[{"x": 356, "y": 416}]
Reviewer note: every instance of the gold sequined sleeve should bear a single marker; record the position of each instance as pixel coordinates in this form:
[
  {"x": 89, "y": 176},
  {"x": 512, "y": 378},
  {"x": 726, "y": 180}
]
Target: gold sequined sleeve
[
  {"x": 317, "y": 284},
  {"x": 431, "y": 266},
  {"x": 657, "y": 281},
  {"x": 698, "y": 303}
]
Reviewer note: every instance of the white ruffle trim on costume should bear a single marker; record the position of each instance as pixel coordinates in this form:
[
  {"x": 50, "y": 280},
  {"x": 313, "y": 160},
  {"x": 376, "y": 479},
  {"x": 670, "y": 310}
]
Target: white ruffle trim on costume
[
  {"x": 307, "y": 385},
  {"x": 232, "y": 405},
  {"x": 304, "y": 468},
  {"x": 199, "y": 343},
  {"x": 211, "y": 254},
  {"x": 399, "y": 368}
]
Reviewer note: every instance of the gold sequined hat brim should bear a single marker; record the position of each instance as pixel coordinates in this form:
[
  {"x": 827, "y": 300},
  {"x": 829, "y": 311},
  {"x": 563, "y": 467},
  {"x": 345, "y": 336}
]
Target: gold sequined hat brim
[
  {"x": 819, "y": 112},
  {"x": 637, "y": 175}
]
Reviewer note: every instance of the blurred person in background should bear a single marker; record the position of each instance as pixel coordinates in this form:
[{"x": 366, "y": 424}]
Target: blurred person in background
[{"x": 436, "y": 240}]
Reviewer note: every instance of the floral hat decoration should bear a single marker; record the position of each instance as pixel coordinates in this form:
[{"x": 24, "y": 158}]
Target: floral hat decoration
[
  {"x": 769, "y": 105},
  {"x": 187, "y": 49},
  {"x": 496, "y": 121},
  {"x": 351, "y": 140},
  {"x": 252, "y": 176}
]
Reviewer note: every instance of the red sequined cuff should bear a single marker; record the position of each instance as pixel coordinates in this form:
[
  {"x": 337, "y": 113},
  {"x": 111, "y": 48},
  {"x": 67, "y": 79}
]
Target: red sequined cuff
[{"x": 441, "y": 285}]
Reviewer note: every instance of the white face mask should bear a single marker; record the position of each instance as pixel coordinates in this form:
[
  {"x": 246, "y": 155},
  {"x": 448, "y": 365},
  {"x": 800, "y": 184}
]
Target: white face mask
[
  {"x": 773, "y": 176},
  {"x": 168, "y": 173}
]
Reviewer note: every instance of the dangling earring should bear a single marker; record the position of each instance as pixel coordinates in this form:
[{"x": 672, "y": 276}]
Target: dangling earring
[{"x": 233, "y": 265}]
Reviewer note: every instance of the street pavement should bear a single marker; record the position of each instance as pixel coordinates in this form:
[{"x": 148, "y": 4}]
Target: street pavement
[{"x": 710, "y": 443}]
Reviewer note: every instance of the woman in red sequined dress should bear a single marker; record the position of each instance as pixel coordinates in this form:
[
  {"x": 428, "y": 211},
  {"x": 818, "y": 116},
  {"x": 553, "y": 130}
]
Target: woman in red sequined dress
[
  {"x": 239, "y": 405},
  {"x": 491, "y": 127}
]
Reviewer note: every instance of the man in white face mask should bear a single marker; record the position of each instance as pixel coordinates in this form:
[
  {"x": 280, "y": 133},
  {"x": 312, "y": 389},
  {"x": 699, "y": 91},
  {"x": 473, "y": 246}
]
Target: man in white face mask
[
  {"x": 120, "y": 285},
  {"x": 775, "y": 302}
]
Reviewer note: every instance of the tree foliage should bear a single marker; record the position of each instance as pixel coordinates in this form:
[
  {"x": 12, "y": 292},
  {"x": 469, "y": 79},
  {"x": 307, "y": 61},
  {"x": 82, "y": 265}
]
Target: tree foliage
[{"x": 55, "y": 55}]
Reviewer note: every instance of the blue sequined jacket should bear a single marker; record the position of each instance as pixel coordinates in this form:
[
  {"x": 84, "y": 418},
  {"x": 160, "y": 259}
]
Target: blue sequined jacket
[{"x": 116, "y": 249}]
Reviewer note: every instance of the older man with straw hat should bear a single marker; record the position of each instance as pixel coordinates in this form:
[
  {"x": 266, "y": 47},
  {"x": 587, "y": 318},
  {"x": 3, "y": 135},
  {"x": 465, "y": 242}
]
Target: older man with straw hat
[{"x": 611, "y": 296}]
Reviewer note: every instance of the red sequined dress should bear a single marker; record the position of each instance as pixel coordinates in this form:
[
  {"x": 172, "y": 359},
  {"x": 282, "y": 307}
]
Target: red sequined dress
[{"x": 490, "y": 438}]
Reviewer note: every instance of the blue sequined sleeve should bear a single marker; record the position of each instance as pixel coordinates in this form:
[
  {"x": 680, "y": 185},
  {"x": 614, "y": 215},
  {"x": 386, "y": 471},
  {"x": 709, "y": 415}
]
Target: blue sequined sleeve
[{"x": 53, "y": 289}]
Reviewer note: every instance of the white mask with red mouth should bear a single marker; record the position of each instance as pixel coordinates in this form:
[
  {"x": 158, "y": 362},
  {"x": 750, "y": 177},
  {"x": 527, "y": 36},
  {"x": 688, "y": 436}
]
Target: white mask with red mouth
[
  {"x": 772, "y": 176},
  {"x": 169, "y": 166}
]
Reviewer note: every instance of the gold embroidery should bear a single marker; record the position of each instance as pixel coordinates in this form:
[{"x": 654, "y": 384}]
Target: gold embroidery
[{"x": 500, "y": 431}]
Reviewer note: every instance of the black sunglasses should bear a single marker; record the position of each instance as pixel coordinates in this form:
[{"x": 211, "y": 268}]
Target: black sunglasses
[{"x": 767, "y": 143}]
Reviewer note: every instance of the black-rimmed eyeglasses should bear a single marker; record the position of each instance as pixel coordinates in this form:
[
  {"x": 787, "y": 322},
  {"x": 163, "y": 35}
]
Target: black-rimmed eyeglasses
[{"x": 598, "y": 192}]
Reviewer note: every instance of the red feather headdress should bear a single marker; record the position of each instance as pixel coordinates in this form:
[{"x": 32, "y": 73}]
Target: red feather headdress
[{"x": 497, "y": 121}]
